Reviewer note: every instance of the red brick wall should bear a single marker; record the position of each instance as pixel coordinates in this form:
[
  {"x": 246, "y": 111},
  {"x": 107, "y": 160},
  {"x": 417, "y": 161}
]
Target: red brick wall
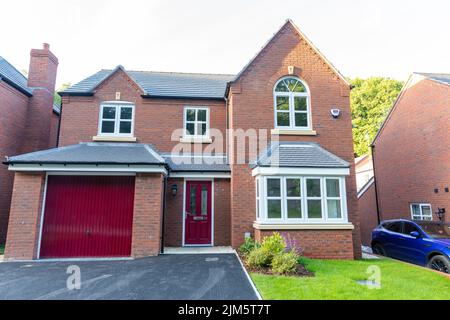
[
  {"x": 368, "y": 214},
  {"x": 13, "y": 104},
  {"x": 412, "y": 152},
  {"x": 24, "y": 222},
  {"x": 319, "y": 244},
  {"x": 155, "y": 118},
  {"x": 252, "y": 106},
  {"x": 173, "y": 223},
  {"x": 147, "y": 215}
]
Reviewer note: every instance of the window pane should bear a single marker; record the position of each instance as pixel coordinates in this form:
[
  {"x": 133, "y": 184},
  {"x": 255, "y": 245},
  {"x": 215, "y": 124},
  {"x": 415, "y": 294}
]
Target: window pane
[
  {"x": 334, "y": 209},
  {"x": 204, "y": 201},
  {"x": 107, "y": 126},
  {"x": 190, "y": 129},
  {"x": 415, "y": 209},
  {"x": 257, "y": 188},
  {"x": 190, "y": 114},
  {"x": 294, "y": 208},
  {"x": 201, "y": 115},
  {"x": 426, "y": 210},
  {"x": 299, "y": 87},
  {"x": 300, "y": 103},
  {"x": 315, "y": 209},
  {"x": 293, "y": 187},
  {"x": 273, "y": 187},
  {"x": 313, "y": 187},
  {"x": 193, "y": 199},
  {"x": 301, "y": 119},
  {"x": 109, "y": 113},
  {"x": 281, "y": 87},
  {"x": 126, "y": 113},
  {"x": 409, "y": 227},
  {"x": 201, "y": 129},
  {"x": 291, "y": 83},
  {"x": 395, "y": 227},
  {"x": 125, "y": 127},
  {"x": 283, "y": 103},
  {"x": 283, "y": 119},
  {"x": 333, "y": 188},
  {"x": 274, "y": 209}
]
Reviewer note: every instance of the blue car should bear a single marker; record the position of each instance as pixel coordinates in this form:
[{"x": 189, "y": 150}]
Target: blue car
[{"x": 422, "y": 243}]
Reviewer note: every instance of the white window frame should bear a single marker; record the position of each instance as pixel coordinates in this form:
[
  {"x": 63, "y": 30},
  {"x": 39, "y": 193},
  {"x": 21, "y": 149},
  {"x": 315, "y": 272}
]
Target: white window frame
[
  {"x": 258, "y": 196},
  {"x": 118, "y": 106},
  {"x": 195, "y": 122},
  {"x": 292, "y": 111},
  {"x": 421, "y": 216},
  {"x": 263, "y": 201}
]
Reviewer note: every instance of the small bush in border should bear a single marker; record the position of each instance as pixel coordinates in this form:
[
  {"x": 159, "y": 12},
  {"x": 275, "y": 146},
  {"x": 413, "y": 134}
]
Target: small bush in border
[
  {"x": 285, "y": 262},
  {"x": 258, "y": 258},
  {"x": 273, "y": 245},
  {"x": 248, "y": 246}
]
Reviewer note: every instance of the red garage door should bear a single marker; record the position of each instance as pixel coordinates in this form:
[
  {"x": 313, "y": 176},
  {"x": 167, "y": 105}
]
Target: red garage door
[{"x": 88, "y": 216}]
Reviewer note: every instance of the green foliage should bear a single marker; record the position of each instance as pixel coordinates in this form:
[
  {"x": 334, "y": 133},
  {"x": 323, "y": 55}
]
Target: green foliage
[
  {"x": 57, "y": 97},
  {"x": 273, "y": 245},
  {"x": 371, "y": 100},
  {"x": 285, "y": 262},
  {"x": 248, "y": 246},
  {"x": 258, "y": 258}
]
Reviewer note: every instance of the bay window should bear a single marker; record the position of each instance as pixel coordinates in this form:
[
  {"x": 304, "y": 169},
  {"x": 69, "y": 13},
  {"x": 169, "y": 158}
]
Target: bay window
[{"x": 296, "y": 199}]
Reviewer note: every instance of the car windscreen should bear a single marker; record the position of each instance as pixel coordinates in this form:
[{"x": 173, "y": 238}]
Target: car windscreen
[{"x": 436, "y": 230}]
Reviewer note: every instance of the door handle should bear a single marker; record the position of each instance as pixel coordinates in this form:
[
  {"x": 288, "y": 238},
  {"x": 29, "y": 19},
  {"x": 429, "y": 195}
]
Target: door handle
[
  {"x": 88, "y": 232},
  {"x": 401, "y": 238}
]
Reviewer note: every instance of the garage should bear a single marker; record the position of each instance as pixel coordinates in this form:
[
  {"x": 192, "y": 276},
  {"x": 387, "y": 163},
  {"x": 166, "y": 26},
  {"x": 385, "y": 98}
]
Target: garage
[{"x": 87, "y": 216}]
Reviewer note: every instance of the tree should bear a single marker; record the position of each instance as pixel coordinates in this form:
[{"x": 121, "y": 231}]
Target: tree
[
  {"x": 57, "y": 97},
  {"x": 370, "y": 100}
]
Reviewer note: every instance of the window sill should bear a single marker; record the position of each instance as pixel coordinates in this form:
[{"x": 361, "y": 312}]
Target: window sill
[
  {"x": 304, "y": 226},
  {"x": 293, "y": 132},
  {"x": 195, "y": 140},
  {"x": 114, "y": 138}
]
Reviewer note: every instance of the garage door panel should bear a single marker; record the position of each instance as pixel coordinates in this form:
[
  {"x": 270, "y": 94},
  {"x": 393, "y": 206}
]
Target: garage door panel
[{"x": 88, "y": 216}]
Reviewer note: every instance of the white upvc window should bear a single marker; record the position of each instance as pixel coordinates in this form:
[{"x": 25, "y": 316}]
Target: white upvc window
[
  {"x": 116, "y": 119},
  {"x": 196, "y": 122},
  {"x": 300, "y": 199},
  {"x": 292, "y": 104},
  {"x": 258, "y": 195},
  {"x": 421, "y": 211}
]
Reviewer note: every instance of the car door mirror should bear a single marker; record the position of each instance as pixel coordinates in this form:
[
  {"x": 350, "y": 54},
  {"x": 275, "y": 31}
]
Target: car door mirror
[{"x": 415, "y": 234}]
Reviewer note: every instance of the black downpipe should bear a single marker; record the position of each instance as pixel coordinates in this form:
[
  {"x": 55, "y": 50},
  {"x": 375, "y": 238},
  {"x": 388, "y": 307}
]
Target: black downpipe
[
  {"x": 163, "y": 214},
  {"x": 372, "y": 147},
  {"x": 59, "y": 124}
]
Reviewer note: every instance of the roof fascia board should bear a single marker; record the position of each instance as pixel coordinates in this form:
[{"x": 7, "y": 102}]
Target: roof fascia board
[
  {"x": 272, "y": 171},
  {"x": 15, "y": 86}
]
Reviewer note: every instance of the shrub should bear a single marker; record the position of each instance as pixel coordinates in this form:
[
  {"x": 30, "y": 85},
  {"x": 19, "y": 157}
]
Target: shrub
[
  {"x": 258, "y": 258},
  {"x": 291, "y": 244},
  {"x": 273, "y": 245},
  {"x": 248, "y": 246},
  {"x": 285, "y": 262}
]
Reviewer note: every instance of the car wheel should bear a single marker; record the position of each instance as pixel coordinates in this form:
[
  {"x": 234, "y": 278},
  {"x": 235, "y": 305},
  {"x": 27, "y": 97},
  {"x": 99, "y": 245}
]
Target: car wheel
[
  {"x": 378, "y": 249},
  {"x": 439, "y": 263}
]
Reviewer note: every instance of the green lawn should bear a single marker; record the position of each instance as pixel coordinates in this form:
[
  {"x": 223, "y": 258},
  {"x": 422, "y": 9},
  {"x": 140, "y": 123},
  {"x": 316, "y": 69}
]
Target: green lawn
[{"x": 337, "y": 280}]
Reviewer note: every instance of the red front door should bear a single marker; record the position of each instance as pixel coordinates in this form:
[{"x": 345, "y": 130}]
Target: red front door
[
  {"x": 88, "y": 216},
  {"x": 198, "y": 219}
]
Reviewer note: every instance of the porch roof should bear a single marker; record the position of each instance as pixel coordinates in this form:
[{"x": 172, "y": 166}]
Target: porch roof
[
  {"x": 298, "y": 155},
  {"x": 197, "y": 163}
]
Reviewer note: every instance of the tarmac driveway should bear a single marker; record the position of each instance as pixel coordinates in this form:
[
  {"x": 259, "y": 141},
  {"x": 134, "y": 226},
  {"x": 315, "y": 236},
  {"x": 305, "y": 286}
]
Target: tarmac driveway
[{"x": 171, "y": 277}]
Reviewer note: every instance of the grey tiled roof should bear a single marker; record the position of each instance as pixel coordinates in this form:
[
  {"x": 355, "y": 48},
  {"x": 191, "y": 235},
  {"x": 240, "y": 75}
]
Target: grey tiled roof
[
  {"x": 197, "y": 163},
  {"x": 162, "y": 84},
  {"x": 14, "y": 77},
  {"x": 93, "y": 153},
  {"x": 299, "y": 154},
  {"x": 440, "y": 77}
]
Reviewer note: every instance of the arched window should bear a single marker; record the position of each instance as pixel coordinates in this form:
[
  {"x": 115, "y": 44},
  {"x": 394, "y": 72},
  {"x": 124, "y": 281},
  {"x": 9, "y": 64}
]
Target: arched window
[{"x": 292, "y": 110}]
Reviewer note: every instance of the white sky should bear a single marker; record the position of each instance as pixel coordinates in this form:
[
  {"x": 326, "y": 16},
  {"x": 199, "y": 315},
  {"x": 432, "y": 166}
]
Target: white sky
[{"x": 362, "y": 38}]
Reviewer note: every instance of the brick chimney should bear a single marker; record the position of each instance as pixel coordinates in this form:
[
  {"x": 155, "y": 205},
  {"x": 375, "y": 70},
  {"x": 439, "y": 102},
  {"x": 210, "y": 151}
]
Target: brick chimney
[{"x": 42, "y": 79}]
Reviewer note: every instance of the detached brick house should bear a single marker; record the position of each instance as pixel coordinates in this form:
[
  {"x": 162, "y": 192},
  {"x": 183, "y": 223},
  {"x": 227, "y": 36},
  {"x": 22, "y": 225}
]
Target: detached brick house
[
  {"x": 29, "y": 120},
  {"x": 411, "y": 157},
  {"x": 149, "y": 160}
]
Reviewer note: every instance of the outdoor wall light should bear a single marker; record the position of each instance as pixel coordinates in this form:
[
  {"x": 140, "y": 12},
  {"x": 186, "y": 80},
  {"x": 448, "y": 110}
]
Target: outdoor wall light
[
  {"x": 174, "y": 190},
  {"x": 335, "y": 113},
  {"x": 440, "y": 213}
]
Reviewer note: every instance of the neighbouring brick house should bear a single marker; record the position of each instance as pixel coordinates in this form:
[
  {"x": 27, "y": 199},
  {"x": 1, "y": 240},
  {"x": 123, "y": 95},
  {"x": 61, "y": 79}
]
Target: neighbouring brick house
[
  {"x": 411, "y": 156},
  {"x": 152, "y": 159},
  {"x": 29, "y": 120}
]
